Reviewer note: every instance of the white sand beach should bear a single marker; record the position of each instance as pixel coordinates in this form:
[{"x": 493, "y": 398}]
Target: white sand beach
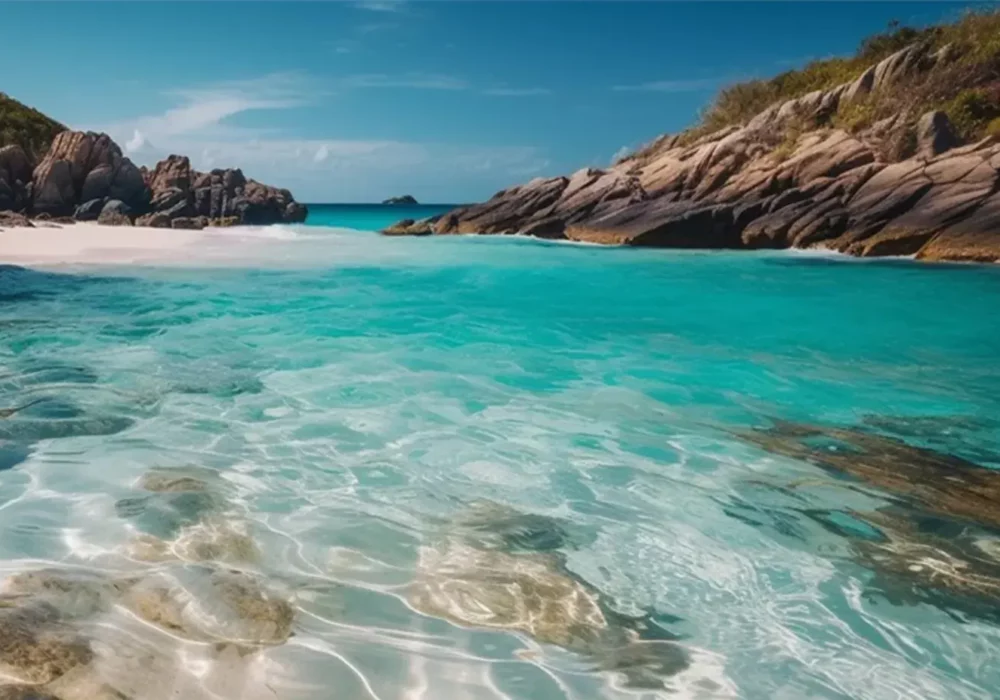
[{"x": 47, "y": 245}]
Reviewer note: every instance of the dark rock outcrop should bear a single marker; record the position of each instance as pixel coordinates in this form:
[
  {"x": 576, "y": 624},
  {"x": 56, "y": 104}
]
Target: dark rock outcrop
[
  {"x": 88, "y": 211},
  {"x": 224, "y": 196},
  {"x": 115, "y": 213},
  {"x": 15, "y": 176},
  {"x": 83, "y": 173},
  {"x": 888, "y": 189},
  {"x": 405, "y": 199}
]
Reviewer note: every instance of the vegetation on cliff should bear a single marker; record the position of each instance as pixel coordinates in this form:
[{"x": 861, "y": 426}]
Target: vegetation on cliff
[
  {"x": 966, "y": 86},
  {"x": 26, "y": 127}
]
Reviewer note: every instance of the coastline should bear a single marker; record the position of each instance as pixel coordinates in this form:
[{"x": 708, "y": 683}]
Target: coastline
[
  {"x": 794, "y": 175},
  {"x": 48, "y": 245}
]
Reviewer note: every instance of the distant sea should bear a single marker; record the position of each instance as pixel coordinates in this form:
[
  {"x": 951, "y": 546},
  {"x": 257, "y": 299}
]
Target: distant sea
[
  {"x": 308, "y": 462},
  {"x": 370, "y": 217}
]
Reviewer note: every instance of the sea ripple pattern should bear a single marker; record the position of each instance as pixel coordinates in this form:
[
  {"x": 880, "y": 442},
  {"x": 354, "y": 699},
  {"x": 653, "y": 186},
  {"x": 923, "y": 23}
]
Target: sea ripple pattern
[{"x": 353, "y": 394}]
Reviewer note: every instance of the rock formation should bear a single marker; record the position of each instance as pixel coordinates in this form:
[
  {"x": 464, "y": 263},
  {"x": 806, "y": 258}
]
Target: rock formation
[
  {"x": 771, "y": 184},
  {"x": 85, "y": 175},
  {"x": 220, "y": 196},
  {"x": 405, "y": 199}
]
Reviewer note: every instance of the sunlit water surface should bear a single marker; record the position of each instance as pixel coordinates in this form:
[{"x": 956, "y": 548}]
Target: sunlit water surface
[{"x": 353, "y": 395}]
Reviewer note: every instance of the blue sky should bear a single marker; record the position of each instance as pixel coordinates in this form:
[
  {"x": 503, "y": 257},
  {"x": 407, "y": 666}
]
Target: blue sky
[{"x": 448, "y": 101}]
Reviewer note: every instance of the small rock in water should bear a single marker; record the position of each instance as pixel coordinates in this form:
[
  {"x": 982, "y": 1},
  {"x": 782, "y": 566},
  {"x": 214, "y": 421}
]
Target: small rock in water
[
  {"x": 35, "y": 648},
  {"x": 205, "y": 604}
]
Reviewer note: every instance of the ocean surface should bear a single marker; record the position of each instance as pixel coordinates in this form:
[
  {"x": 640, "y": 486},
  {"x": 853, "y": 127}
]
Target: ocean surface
[{"x": 336, "y": 465}]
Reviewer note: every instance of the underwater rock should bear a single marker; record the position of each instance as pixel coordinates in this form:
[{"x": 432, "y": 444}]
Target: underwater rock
[
  {"x": 176, "y": 497},
  {"x": 177, "y": 479},
  {"x": 523, "y": 593},
  {"x": 35, "y": 648},
  {"x": 71, "y": 593},
  {"x": 495, "y": 526},
  {"x": 955, "y": 571},
  {"x": 163, "y": 514},
  {"x": 206, "y": 604},
  {"x": 35, "y": 430},
  {"x": 939, "y": 483},
  {"x": 511, "y": 579},
  {"x": 223, "y": 542}
]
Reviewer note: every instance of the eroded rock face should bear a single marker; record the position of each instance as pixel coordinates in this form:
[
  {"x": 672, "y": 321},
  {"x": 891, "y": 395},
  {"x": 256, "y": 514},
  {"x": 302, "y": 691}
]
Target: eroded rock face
[
  {"x": 84, "y": 172},
  {"x": 751, "y": 187},
  {"x": 84, "y": 166}
]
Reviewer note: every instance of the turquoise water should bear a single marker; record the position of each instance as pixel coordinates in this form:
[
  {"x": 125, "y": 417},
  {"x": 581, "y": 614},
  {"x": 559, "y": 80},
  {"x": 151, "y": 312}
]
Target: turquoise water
[
  {"x": 370, "y": 217},
  {"x": 357, "y": 396}
]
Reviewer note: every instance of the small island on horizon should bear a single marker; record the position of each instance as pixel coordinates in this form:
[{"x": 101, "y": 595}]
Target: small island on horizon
[{"x": 404, "y": 199}]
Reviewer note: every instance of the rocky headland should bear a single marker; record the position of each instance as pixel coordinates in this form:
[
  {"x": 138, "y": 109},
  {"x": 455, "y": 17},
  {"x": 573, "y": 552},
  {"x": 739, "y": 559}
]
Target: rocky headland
[
  {"x": 895, "y": 151},
  {"x": 84, "y": 176}
]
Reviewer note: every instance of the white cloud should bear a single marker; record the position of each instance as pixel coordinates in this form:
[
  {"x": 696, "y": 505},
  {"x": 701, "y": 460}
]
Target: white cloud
[
  {"x": 697, "y": 85},
  {"x": 322, "y": 153},
  {"x": 317, "y": 169},
  {"x": 516, "y": 92},
  {"x": 417, "y": 81},
  {"x": 343, "y": 49},
  {"x": 136, "y": 143}
]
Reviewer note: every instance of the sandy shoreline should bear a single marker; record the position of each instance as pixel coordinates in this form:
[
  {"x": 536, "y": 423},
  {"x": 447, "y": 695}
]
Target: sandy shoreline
[{"x": 48, "y": 245}]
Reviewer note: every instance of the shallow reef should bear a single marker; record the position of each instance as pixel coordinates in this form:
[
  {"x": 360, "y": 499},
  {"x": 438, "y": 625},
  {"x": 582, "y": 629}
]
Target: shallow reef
[{"x": 935, "y": 539}]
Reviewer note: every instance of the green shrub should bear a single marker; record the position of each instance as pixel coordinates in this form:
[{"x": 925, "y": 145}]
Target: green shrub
[
  {"x": 975, "y": 38},
  {"x": 855, "y": 116},
  {"x": 972, "y": 110},
  {"x": 26, "y": 127}
]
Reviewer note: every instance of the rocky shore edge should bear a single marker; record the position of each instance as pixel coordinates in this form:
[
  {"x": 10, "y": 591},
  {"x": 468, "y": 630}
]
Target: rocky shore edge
[
  {"x": 84, "y": 176},
  {"x": 787, "y": 178}
]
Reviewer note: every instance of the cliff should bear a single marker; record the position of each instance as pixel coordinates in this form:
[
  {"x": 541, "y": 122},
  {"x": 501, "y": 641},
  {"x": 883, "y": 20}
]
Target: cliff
[
  {"x": 85, "y": 176},
  {"x": 900, "y": 158}
]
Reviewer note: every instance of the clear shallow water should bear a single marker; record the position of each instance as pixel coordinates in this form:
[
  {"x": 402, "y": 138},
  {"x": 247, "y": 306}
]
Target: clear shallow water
[{"x": 357, "y": 395}]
